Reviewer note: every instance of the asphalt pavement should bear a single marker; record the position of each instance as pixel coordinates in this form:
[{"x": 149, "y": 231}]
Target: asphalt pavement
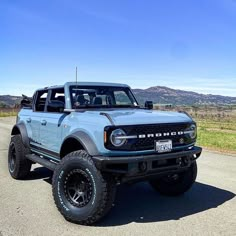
[{"x": 209, "y": 208}]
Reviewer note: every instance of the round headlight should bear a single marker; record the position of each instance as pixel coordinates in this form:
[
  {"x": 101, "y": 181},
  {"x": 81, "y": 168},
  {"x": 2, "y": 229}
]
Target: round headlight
[
  {"x": 118, "y": 137},
  {"x": 193, "y": 131}
]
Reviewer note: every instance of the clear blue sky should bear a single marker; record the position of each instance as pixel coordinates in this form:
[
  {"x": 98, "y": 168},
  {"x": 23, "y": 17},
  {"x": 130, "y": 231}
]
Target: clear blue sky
[{"x": 183, "y": 44}]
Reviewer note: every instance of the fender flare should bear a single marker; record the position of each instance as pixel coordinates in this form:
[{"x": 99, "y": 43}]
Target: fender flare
[
  {"x": 85, "y": 140},
  {"x": 20, "y": 128}
]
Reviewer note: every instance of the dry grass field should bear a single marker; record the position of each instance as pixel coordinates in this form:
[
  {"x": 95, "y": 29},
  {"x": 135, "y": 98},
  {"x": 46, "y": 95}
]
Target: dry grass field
[{"x": 5, "y": 112}]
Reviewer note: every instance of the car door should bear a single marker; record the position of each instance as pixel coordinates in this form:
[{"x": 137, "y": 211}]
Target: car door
[
  {"x": 34, "y": 119},
  {"x": 52, "y": 122}
]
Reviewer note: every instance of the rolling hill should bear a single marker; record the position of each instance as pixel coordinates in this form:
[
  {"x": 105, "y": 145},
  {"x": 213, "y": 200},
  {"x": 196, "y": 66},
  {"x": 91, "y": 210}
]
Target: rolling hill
[
  {"x": 157, "y": 94},
  {"x": 164, "y": 95}
]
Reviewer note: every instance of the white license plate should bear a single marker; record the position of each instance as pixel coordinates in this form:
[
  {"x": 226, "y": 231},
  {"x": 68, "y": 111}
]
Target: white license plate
[{"x": 163, "y": 145}]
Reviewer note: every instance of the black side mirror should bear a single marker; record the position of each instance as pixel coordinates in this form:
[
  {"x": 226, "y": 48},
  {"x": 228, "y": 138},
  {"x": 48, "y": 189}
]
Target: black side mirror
[
  {"x": 55, "y": 106},
  {"x": 26, "y": 101},
  {"x": 149, "y": 105}
]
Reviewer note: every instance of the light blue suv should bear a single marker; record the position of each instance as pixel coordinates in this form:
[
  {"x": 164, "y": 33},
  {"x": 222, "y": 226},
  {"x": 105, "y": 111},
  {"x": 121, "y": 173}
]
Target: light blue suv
[{"x": 95, "y": 136}]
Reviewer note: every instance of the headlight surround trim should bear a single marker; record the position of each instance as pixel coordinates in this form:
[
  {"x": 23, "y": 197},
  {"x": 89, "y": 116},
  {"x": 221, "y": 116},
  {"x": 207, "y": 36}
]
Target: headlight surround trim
[
  {"x": 192, "y": 131},
  {"x": 118, "y": 137}
]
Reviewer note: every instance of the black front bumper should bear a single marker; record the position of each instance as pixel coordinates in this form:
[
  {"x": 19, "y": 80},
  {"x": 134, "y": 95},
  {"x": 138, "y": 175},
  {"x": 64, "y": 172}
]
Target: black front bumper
[{"x": 134, "y": 168}]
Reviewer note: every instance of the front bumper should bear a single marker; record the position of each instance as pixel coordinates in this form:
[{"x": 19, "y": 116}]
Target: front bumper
[{"x": 135, "y": 168}]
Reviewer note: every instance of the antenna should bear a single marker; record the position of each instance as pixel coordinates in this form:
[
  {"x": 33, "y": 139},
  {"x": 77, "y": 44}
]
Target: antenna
[
  {"x": 76, "y": 75},
  {"x": 76, "y": 81}
]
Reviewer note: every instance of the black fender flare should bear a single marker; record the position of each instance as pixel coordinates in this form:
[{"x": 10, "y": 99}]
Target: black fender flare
[
  {"x": 85, "y": 140},
  {"x": 20, "y": 128}
]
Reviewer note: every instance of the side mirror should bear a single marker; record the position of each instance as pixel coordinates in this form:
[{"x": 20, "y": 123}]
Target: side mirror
[
  {"x": 26, "y": 101},
  {"x": 149, "y": 105},
  {"x": 55, "y": 106}
]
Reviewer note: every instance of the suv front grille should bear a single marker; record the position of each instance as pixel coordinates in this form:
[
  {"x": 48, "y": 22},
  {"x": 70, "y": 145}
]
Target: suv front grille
[
  {"x": 175, "y": 132},
  {"x": 148, "y": 142}
]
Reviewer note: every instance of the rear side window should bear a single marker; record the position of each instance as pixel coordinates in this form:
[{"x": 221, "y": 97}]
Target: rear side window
[
  {"x": 41, "y": 100},
  {"x": 58, "y": 95}
]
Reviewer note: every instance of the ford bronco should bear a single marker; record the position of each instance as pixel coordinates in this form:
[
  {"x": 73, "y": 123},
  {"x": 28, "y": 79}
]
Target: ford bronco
[{"x": 95, "y": 136}]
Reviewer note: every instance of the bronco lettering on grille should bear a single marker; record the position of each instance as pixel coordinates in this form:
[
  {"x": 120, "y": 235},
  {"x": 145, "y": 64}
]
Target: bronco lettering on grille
[{"x": 161, "y": 134}]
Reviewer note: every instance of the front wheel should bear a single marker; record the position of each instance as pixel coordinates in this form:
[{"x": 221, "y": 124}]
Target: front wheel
[
  {"x": 82, "y": 194},
  {"x": 176, "y": 184}
]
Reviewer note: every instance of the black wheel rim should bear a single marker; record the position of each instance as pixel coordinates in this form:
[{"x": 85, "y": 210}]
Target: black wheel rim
[
  {"x": 12, "y": 159},
  {"x": 78, "y": 187}
]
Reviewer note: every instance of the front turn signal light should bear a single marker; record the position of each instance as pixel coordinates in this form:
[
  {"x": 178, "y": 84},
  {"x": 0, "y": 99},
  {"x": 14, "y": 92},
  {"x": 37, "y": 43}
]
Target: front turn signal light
[{"x": 105, "y": 136}]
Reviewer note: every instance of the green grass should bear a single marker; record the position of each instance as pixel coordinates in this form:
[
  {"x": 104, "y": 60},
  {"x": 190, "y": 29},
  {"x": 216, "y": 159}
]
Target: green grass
[
  {"x": 217, "y": 140},
  {"x": 217, "y": 134}
]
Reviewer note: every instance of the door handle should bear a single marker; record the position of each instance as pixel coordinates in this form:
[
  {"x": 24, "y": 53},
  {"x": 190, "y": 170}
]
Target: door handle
[
  {"x": 43, "y": 122},
  {"x": 28, "y": 120}
]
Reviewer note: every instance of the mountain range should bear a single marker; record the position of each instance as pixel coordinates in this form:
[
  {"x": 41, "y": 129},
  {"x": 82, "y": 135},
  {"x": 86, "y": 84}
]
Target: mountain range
[
  {"x": 157, "y": 94},
  {"x": 165, "y": 95}
]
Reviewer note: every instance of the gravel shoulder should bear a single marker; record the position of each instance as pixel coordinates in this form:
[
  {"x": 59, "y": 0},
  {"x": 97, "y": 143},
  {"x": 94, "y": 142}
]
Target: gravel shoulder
[{"x": 209, "y": 208}]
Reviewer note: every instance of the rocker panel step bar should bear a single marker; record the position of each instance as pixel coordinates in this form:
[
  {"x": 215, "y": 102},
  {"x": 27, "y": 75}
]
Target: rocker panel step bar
[{"x": 42, "y": 161}]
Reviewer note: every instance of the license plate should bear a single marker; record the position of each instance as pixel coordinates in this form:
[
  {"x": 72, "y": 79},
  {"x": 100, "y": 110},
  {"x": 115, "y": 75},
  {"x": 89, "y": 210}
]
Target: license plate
[{"x": 163, "y": 145}]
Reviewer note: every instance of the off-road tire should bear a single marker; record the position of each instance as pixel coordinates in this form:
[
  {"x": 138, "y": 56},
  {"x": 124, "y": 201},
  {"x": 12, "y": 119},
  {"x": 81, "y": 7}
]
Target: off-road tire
[
  {"x": 19, "y": 166},
  {"x": 172, "y": 187},
  {"x": 101, "y": 189}
]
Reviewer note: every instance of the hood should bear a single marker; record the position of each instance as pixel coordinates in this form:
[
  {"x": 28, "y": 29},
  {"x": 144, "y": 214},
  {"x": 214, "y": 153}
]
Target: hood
[{"x": 143, "y": 116}]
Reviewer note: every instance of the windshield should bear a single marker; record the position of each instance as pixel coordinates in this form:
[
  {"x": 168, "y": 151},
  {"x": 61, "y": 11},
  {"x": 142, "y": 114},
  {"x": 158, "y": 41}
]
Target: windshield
[{"x": 101, "y": 96}]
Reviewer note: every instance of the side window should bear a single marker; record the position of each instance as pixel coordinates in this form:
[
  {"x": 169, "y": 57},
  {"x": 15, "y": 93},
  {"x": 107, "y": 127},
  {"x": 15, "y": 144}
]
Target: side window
[
  {"x": 41, "y": 100},
  {"x": 56, "y": 102}
]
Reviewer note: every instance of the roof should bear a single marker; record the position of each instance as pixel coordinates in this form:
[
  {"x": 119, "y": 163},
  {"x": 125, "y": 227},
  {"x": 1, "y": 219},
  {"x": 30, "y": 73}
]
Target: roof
[
  {"x": 96, "y": 84},
  {"x": 86, "y": 84}
]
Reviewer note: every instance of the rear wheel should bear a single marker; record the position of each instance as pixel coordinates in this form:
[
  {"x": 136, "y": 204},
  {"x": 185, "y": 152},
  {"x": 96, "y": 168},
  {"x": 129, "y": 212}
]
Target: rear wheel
[
  {"x": 81, "y": 192},
  {"x": 19, "y": 166},
  {"x": 176, "y": 184}
]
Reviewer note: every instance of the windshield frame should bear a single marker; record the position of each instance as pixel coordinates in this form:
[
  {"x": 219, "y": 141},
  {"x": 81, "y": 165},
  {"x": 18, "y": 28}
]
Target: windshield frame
[{"x": 127, "y": 90}]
